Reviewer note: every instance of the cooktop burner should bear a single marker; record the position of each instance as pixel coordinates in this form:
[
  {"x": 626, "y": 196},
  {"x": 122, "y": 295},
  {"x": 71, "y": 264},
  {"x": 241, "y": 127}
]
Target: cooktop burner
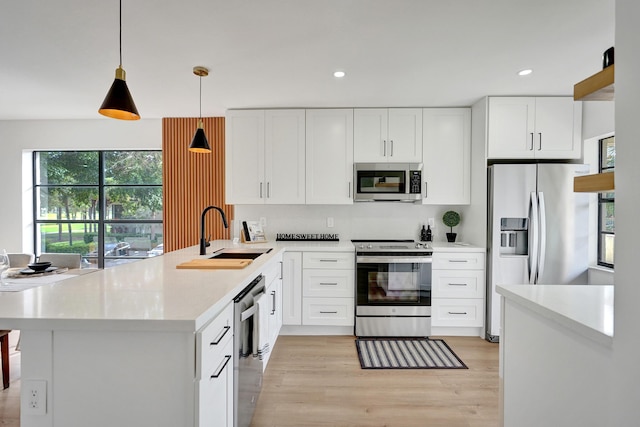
[{"x": 390, "y": 245}]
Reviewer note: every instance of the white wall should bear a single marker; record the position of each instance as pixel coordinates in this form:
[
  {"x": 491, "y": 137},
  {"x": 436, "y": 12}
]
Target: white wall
[
  {"x": 357, "y": 221},
  {"x": 18, "y": 138},
  {"x": 626, "y": 342}
]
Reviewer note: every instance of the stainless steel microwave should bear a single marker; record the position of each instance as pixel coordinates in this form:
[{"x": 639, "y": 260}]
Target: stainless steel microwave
[{"x": 390, "y": 182}]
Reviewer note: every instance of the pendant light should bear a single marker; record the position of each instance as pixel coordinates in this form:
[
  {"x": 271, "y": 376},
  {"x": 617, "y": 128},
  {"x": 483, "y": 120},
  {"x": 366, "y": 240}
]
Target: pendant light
[
  {"x": 118, "y": 103},
  {"x": 199, "y": 144}
]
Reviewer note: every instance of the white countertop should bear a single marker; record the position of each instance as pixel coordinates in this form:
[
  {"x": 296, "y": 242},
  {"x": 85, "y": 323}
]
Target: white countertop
[
  {"x": 149, "y": 294},
  {"x": 586, "y": 309},
  {"x": 456, "y": 247}
]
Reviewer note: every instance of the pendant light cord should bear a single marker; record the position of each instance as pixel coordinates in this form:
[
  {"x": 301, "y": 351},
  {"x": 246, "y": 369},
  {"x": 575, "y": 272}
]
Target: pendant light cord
[
  {"x": 200, "y": 98},
  {"x": 120, "y": 33}
]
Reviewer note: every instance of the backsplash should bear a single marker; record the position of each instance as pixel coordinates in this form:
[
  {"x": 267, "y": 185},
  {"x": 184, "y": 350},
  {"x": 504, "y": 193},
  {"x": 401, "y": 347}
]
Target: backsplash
[{"x": 357, "y": 221}]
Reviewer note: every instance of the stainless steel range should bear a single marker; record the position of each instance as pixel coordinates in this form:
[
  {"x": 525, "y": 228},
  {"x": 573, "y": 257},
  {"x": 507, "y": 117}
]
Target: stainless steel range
[{"x": 393, "y": 288}]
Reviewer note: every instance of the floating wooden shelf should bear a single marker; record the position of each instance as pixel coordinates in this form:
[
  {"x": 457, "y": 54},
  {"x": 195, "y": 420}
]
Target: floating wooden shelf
[
  {"x": 599, "y": 87},
  {"x": 594, "y": 183}
]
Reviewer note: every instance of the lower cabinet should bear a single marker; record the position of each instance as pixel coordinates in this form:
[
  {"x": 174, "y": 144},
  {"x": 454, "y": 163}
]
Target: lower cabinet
[
  {"x": 328, "y": 288},
  {"x": 274, "y": 295},
  {"x": 318, "y": 289},
  {"x": 214, "y": 372},
  {"x": 458, "y": 289}
]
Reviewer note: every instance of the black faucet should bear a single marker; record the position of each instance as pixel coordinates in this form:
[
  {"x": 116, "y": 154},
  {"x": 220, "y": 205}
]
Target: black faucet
[{"x": 203, "y": 242}]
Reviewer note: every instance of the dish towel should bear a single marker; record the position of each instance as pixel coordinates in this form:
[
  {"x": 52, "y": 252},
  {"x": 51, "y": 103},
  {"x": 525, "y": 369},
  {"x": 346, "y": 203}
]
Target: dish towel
[{"x": 261, "y": 327}]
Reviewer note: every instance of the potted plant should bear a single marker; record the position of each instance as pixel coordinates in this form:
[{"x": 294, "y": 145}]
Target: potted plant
[{"x": 451, "y": 219}]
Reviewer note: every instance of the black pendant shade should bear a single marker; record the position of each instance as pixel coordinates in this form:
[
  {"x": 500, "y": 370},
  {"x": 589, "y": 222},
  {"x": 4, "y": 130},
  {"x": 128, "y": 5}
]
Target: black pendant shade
[
  {"x": 118, "y": 104},
  {"x": 199, "y": 144}
]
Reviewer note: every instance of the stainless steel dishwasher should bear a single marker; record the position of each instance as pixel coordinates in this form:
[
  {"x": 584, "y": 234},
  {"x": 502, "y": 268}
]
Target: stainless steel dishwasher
[{"x": 247, "y": 366}]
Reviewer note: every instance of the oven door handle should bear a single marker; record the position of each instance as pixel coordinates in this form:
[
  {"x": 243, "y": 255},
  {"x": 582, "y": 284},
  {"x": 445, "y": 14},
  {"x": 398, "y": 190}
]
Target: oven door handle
[{"x": 393, "y": 260}]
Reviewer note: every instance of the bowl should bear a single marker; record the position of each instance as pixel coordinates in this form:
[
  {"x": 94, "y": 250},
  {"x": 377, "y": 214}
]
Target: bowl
[{"x": 39, "y": 266}]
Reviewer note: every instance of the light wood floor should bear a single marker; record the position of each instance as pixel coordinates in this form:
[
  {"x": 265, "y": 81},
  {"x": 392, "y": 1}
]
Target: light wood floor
[{"x": 317, "y": 381}]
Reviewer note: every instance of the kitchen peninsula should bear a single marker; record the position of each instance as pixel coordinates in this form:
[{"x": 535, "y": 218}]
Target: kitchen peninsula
[
  {"x": 122, "y": 346},
  {"x": 556, "y": 354}
]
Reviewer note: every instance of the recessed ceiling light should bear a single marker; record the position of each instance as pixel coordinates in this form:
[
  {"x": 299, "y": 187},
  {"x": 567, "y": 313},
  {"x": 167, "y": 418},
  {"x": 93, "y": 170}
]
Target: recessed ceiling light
[
  {"x": 525, "y": 72},
  {"x": 338, "y": 74}
]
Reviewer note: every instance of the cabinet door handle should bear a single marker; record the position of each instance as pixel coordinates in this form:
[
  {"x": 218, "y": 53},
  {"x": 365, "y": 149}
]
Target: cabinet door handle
[
  {"x": 384, "y": 148},
  {"x": 224, "y": 365},
  {"x": 273, "y": 302},
  {"x": 268, "y": 190},
  {"x": 457, "y": 312},
  {"x": 281, "y": 270},
  {"x": 328, "y": 312},
  {"x": 349, "y": 189},
  {"x": 328, "y": 260},
  {"x": 328, "y": 284},
  {"x": 425, "y": 190},
  {"x": 458, "y": 260},
  {"x": 531, "y": 149},
  {"x": 539, "y": 141},
  {"x": 261, "y": 190},
  {"x": 457, "y": 284},
  {"x": 392, "y": 148},
  {"x": 226, "y": 329}
]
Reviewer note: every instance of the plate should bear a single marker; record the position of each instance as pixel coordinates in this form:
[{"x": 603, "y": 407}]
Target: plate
[{"x": 30, "y": 271}]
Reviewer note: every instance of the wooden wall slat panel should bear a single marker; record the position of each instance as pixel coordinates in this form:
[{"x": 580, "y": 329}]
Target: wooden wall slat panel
[{"x": 192, "y": 181}]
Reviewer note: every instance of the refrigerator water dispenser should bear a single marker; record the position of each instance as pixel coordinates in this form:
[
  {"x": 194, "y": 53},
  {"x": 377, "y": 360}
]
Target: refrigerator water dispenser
[{"x": 514, "y": 236}]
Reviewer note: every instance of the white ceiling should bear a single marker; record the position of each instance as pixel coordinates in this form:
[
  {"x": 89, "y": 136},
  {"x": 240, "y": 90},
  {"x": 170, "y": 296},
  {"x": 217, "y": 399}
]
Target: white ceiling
[{"x": 58, "y": 57}]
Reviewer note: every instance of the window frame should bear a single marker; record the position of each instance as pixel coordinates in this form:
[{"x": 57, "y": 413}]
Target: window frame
[
  {"x": 601, "y": 201},
  {"x": 102, "y": 222}
]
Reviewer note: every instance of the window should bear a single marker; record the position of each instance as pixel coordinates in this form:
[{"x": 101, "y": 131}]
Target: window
[
  {"x": 105, "y": 205},
  {"x": 606, "y": 206}
]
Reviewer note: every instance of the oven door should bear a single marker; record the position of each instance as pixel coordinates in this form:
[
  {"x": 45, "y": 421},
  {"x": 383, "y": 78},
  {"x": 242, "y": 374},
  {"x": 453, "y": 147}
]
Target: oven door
[{"x": 399, "y": 281}]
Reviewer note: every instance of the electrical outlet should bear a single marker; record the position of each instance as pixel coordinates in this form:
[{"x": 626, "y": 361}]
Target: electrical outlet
[
  {"x": 330, "y": 222},
  {"x": 263, "y": 221},
  {"x": 34, "y": 397},
  {"x": 431, "y": 222}
]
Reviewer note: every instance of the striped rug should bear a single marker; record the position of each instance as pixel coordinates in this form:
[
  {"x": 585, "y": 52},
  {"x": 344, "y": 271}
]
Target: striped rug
[{"x": 406, "y": 353}]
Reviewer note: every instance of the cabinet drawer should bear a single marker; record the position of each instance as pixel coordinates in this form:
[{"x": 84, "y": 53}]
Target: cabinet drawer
[
  {"x": 457, "y": 312},
  {"x": 458, "y": 261},
  {"x": 332, "y": 260},
  {"x": 328, "y": 311},
  {"x": 215, "y": 393},
  {"x": 212, "y": 340},
  {"x": 327, "y": 283},
  {"x": 457, "y": 283}
]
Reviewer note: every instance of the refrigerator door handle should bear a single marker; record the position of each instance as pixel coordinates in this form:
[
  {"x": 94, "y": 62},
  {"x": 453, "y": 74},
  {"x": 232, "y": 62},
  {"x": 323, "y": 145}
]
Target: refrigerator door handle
[
  {"x": 543, "y": 233},
  {"x": 533, "y": 250}
]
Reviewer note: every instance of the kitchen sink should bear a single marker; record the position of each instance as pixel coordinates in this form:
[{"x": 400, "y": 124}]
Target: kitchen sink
[{"x": 239, "y": 253}]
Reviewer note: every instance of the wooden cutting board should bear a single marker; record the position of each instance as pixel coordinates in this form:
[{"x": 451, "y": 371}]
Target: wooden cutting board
[{"x": 207, "y": 264}]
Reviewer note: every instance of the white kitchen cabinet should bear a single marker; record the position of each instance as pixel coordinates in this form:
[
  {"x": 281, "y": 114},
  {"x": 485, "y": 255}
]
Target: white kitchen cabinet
[
  {"x": 292, "y": 288},
  {"x": 328, "y": 291},
  {"x": 273, "y": 290},
  {"x": 457, "y": 293},
  {"x": 329, "y": 156},
  {"x": 446, "y": 156},
  {"x": 387, "y": 134},
  {"x": 265, "y": 156},
  {"x": 534, "y": 128},
  {"x": 214, "y": 372}
]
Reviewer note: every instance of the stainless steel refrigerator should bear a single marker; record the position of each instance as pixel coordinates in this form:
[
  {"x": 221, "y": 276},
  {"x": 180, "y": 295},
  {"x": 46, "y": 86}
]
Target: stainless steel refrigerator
[{"x": 537, "y": 230}]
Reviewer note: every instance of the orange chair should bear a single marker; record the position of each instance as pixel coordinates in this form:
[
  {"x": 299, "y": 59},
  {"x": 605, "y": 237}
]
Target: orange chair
[{"x": 4, "y": 351}]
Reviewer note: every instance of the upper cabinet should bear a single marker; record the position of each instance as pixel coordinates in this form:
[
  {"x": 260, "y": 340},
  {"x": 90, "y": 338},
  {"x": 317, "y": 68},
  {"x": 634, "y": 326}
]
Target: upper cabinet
[
  {"x": 447, "y": 156},
  {"x": 265, "y": 156},
  {"x": 329, "y": 154},
  {"x": 534, "y": 128},
  {"x": 387, "y": 135}
]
